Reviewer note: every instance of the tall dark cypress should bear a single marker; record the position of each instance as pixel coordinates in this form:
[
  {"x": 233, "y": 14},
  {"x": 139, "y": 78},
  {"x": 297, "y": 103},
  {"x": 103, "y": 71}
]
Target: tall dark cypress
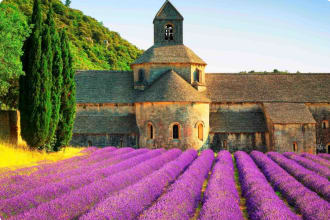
[
  {"x": 68, "y": 98},
  {"x": 57, "y": 79},
  {"x": 35, "y": 86}
]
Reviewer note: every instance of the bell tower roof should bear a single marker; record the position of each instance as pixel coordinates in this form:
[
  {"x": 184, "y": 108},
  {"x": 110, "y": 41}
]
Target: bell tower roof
[{"x": 168, "y": 12}]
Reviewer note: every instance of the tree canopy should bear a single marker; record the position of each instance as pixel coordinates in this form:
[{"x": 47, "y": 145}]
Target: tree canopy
[{"x": 14, "y": 29}]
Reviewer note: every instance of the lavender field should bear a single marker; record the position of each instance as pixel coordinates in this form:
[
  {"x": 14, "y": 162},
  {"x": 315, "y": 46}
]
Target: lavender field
[{"x": 126, "y": 183}]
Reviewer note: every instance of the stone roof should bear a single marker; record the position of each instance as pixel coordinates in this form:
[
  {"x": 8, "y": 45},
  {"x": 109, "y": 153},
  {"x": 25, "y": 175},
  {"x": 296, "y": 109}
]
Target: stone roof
[
  {"x": 170, "y": 87},
  {"x": 237, "y": 122},
  {"x": 169, "y": 54},
  {"x": 168, "y": 11},
  {"x": 268, "y": 87},
  {"x": 105, "y": 87},
  {"x": 288, "y": 113},
  {"x": 105, "y": 124}
]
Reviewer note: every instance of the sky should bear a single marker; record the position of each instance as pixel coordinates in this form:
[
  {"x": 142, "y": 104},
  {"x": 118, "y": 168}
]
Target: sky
[{"x": 231, "y": 35}]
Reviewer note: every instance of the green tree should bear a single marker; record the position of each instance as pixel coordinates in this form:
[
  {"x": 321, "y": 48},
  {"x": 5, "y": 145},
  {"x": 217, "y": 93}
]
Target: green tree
[
  {"x": 68, "y": 98},
  {"x": 67, "y": 3},
  {"x": 35, "y": 86},
  {"x": 57, "y": 79},
  {"x": 14, "y": 29}
]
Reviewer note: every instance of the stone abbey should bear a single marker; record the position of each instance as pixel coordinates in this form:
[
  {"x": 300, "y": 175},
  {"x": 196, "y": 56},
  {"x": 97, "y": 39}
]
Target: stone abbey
[{"x": 168, "y": 101}]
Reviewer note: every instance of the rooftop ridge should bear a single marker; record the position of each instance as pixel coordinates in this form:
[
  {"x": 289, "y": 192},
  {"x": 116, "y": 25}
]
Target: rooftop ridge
[
  {"x": 104, "y": 71},
  {"x": 268, "y": 74}
]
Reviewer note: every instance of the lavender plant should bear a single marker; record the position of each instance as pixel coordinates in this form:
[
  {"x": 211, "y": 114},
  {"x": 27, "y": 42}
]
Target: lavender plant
[
  {"x": 317, "y": 159},
  {"x": 310, "y": 179},
  {"x": 309, "y": 164},
  {"x": 78, "y": 202},
  {"x": 261, "y": 200},
  {"x": 33, "y": 198},
  {"x": 26, "y": 183},
  {"x": 309, "y": 204},
  {"x": 129, "y": 202},
  {"x": 221, "y": 196},
  {"x": 324, "y": 156},
  {"x": 182, "y": 198}
]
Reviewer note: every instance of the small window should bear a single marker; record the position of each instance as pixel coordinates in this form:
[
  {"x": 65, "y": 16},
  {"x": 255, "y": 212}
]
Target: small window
[
  {"x": 169, "y": 32},
  {"x": 150, "y": 131},
  {"x": 325, "y": 124},
  {"x": 200, "y": 131},
  {"x": 295, "y": 147},
  {"x": 197, "y": 75},
  {"x": 90, "y": 143},
  {"x": 224, "y": 144},
  {"x": 141, "y": 75},
  {"x": 176, "y": 132}
]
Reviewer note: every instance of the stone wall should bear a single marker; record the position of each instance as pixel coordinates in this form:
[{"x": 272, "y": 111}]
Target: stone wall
[
  {"x": 105, "y": 109},
  {"x": 303, "y": 135},
  {"x": 10, "y": 127},
  {"x": 102, "y": 140},
  {"x": 321, "y": 112},
  {"x": 154, "y": 71},
  {"x": 237, "y": 141},
  {"x": 159, "y": 32},
  {"x": 164, "y": 115}
]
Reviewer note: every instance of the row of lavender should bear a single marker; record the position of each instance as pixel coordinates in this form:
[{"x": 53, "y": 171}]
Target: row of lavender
[{"x": 130, "y": 184}]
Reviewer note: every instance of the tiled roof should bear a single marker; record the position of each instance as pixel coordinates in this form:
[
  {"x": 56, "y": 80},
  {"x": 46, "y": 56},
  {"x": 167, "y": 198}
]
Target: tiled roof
[
  {"x": 105, "y": 87},
  {"x": 169, "y": 54},
  {"x": 168, "y": 11},
  {"x": 268, "y": 87},
  {"x": 288, "y": 113},
  {"x": 170, "y": 87},
  {"x": 105, "y": 124},
  {"x": 237, "y": 122}
]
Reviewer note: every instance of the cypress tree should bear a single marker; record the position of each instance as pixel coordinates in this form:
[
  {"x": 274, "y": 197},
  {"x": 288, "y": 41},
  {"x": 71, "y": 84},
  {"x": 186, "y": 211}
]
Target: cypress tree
[
  {"x": 68, "y": 98},
  {"x": 35, "y": 103},
  {"x": 57, "y": 80}
]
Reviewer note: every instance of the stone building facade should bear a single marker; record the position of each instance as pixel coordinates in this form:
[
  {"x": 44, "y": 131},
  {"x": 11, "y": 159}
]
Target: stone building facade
[{"x": 168, "y": 100}]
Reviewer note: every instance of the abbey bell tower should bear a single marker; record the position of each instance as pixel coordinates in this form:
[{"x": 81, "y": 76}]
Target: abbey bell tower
[
  {"x": 168, "y": 26},
  {"x": 168, "y": 53}
]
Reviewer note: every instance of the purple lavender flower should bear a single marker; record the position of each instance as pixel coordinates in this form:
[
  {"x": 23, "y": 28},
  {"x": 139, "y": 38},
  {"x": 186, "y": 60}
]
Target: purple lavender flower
[
  {"x": 324, "y": 156},
  {"x": 78, "y": 202},
  {"x": 33, "y": 198},
  {"x": 309, "y": 203},
  {"x": 221, "y": 196},
  {"x": 262, "y": 201},
  {"x": 37, "y": 179},
  {"x": 317, "y": 159},
  {"x": 310, "y": 179},
  {"x": 129, "y": 202},
  {"x": 309, "y": 164},
  {"x": 183, "y": 196}
]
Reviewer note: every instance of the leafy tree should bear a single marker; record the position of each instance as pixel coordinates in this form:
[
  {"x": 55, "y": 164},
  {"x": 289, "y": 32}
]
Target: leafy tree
[
  {"x": 83, "y": 30},
  {"x": 67, "y": 3},
  {"x": 14, "y": 29},
  {"x": 35, "y": 86},
  {"x": 57, "y": 79},
  {"x": 68, "y": 98}
]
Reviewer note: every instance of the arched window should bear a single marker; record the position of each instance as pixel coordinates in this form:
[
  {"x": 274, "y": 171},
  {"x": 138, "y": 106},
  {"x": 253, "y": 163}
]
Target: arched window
[
  {"x": 325, "y": 124},
  {"x": 176, "y": 132},
  {"x": 169, "y": 32},
  {"x": 141, "y": 75},
  {"x": 295, "y": 147},
  {"x": 200, "y": 131},
  {"x": 150, "y": 131}
]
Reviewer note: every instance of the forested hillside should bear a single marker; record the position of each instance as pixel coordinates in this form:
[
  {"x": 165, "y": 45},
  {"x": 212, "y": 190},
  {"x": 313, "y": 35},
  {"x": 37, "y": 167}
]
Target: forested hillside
[{"x": 93, "y": 46}]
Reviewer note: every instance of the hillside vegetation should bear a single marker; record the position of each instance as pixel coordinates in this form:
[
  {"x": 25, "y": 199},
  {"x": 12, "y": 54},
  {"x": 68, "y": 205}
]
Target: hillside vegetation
[{"x": 93, "y": 46}]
